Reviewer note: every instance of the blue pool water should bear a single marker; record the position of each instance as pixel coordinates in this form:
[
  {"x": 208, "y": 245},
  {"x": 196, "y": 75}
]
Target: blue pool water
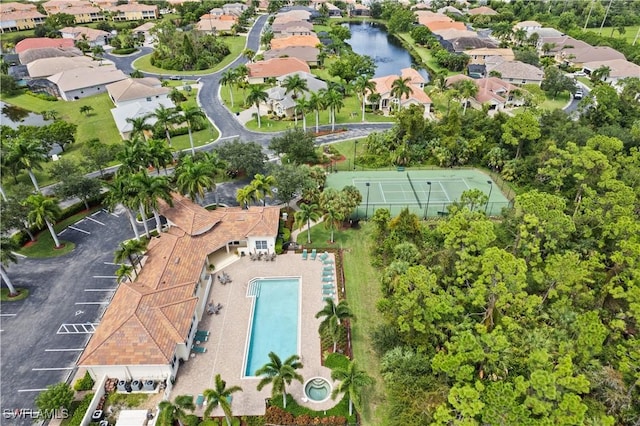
[{"x": 274, "y": 326}]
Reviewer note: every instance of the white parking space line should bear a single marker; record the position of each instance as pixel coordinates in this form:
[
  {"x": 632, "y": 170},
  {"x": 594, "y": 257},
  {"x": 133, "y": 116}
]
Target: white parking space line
[
  {"x": 92, "y": 303},
  {"x": 79, "y": 230},
  {"x": 63, "y": 231},
  {"x": 8, "y": 315},
  {"x": 99, "y": 289},
  {"x": 111, "y": 263},
  {"x": 112, "y": 214},
  {"x": 53, "y": 369},
  {"x": 63, "y": 350},
  {"x": 32, "y": 390},
  {"x": 105, "y": 276},
  {"x": 97, "y": 212},
  {"x": 96, "y": 221}
]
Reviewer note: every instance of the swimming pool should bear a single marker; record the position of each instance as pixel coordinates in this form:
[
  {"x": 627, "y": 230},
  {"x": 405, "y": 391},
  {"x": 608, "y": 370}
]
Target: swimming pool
[{"x": 274, "y": 325}]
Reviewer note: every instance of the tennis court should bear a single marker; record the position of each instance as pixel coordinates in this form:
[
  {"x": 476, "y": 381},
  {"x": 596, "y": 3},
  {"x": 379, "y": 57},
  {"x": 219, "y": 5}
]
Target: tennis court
[{"x": 424, "y": 192}]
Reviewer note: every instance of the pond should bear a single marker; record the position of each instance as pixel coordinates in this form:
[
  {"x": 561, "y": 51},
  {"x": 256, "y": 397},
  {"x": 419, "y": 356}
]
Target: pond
[
  {"x": 390, "y": 57},
  {"x": 14, "y": 116}
]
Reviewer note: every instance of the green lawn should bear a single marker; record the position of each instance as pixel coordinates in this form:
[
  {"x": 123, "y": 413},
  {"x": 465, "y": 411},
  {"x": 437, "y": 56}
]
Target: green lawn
[
  {"x": 551, "y": 104},
  {"x": 363, "y": 292},
  {"x": 201, "y": 137},
  {"x": 586, "y": 81},
  {"x": 425, "y": 55},
  {"x": 236, "y": 46},
  {"x": 629, "y": 34},
  {"x": 23, "y": 293}
]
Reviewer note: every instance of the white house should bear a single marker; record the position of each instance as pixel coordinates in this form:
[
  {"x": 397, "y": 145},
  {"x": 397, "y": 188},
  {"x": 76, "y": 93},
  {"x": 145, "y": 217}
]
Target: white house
[
  {"x": 81, "y": 82},
  {"x": 132, "y": 90},
  {"x": 137, "y": 109},
  {"x": 151, "y": 321},
  {"x": 92, "y": 36},
  {"x": 384, "y": 87}
]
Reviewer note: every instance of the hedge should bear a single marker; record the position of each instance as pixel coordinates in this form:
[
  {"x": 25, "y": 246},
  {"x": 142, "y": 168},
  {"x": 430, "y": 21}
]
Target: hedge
[{"x": 80, "y": 411}]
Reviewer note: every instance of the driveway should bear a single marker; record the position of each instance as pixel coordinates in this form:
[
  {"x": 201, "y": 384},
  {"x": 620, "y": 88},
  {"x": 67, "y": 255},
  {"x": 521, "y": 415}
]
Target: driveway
[{"x": 43, "y": 335}]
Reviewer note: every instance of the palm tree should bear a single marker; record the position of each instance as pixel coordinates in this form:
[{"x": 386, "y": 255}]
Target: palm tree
[
  {"x": 467, "y": 89},
  {"x": 363, "y": 85},
  {"x": 352, "y": 382},
  {"x": 316, "y": 103},
  {"x": 220, "y": 396},
  {"x": 194, "y": 178},
  {"x": 151, "y": 189},
  {"x": 160, "y": 154},
  {"x": 333, "y": 315},
  {"x": 124, "y": 273},
  {"x": 262, "y": 186},
  {"x": 249, "y": 54},
  {"x": 244, "y": 196},
  {"x": 294, "y": 84},
  {"x": 302, "y": 105},
  {"x": 134, "y": 156},
  {"x": 334, "y": 101},
  {"x": 8, "y": 247},
  {"x": 279, "y": 374},
  {"x": 229, "y": 78},
  {"x": 255, "y": 96},
  {"x": 401, "y": 87},
  {"x": 120, "y": 193},
  {"x": 165, "y": 117},
  {"x": 28, "y": 154},
  {"x": 43, "y": 211},
  {"x": 242, "y": 72},
  {"x": 600, "y": 74},
  {"x": 306, "y": 214},
  {"x": 127, "y": 250},
  {"x": 171, "y": 412},
  {"x": 139, "y": 126},
  {"x": 332, "y": 219},
  {"x": 192, "y": 115}
]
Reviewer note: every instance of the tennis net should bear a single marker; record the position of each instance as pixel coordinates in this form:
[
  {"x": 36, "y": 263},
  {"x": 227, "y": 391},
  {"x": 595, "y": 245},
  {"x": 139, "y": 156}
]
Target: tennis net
[{"x": 414, "y": 190}]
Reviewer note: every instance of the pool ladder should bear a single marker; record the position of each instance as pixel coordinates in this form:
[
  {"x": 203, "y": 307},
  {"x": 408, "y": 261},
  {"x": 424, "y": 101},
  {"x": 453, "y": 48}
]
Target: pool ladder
[{"x": 254, "y": 289}]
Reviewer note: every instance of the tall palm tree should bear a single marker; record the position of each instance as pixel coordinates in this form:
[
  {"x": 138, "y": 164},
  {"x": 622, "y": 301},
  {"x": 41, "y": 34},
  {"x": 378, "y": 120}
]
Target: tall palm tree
[
  {"x": 192, "y": 115},
  {"x": 279, "y": 374},
  {"x": 332, "y": 220},
  {"x": 467, "y": 89},
  {"x": 151, "y": 189},
  {"x": 334, "y": 100},
  {"x": 363, "y": 85},
  {"x": 332, "y": 315},
  {"x": 352, "y": 381},
  {"x": 242, "y": 72},
  {"x": 302, "y": 105},
  {"x": 170, "y": 412},
  {"x": 134, "y": 156},
  {"x": 229, "y": 78},
  {"x": 194, "y": 178},
  {"x": 316, "y": 103},
  {"x": 127, "y": 250},
  {"x": 120, "y": 192},
  {"x": 28, "y": 154},
  {"x": 8, "y": 247},
  {"x": 401, "y": 87},
  {"x": 255, "y": 96},
  {"x": 262, "y": 186},
  {"x": 294, "y": 84},
  {"x": 165, "y": 118},
  {"x": 306, "y": 214},
  {"x": 139, "y": 126},
  {"x": 244, "y": 196},
  {"x": 220, "y": 396},
  {"x": 124, "y": 273},
  {"x": 160, "y": 154},
  {"x": 43, "y": 211}
]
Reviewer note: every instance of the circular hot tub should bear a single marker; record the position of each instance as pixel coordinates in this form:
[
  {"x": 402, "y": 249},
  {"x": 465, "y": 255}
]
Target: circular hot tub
[{"x": 317, "y": 389}]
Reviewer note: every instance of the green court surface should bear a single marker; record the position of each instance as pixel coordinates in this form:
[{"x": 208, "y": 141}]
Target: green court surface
[{"x": 426, "y": 193}]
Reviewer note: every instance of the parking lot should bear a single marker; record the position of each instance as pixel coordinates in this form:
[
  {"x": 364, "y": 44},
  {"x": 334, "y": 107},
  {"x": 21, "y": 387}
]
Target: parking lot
[{"x": 42, "y": 336}]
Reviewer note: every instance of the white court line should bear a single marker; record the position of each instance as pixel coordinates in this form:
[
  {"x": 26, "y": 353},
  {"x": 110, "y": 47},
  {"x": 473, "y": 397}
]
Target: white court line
[
  {"x": 465, "y": 182},
  {"x": 63, "y": 350},
  {"x": 445, "y": 192},
  {"x": 92, "y": 303},
  {"x": 384, "y": 200},
  {"x": 53, "y": 369},
  {"x": 99, "y": 289},
  {"x": 31, "y": 390},
  {"x": 79, "y": 230},
  {"x": 105, "y": 276},
  {"x": 8, "y": 315},
  {"x": 96, "y": 221},
  {"x": 108, "y": 212}
]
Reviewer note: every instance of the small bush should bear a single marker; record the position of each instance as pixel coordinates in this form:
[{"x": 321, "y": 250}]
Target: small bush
[
  {"x": 124, "y": 51},
  {"x": 286, "y": 234},
  {"x": 336, "y": 360},
  {"x": 43, "y": 96},
  {"x": 79, "y": 413},
  {"x": 84, "y": 384},
  {"x": 278, "y": 247}
]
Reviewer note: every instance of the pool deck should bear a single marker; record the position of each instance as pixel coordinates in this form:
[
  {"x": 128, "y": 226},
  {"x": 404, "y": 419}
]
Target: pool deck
[{"x": 229, "y": 333}]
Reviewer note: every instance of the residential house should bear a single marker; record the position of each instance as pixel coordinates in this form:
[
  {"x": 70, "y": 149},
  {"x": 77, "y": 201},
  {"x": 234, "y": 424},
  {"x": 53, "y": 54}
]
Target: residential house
[
  {"x": 618, "y": 70},
  {"x": 291, "y": 16},
  {"x": 577, "y": 57},
  {"x": 144, "y": 31},
  {"x": 462, "y": 44},
  {"x": 452, "y": 34},
  {"x": 425, "y": 17},
  {"x": 292, "y": 41},
  {"x": 151, "y": 321},
  {"x": 384, "y": 86},
  {"x": 492, "y": 91},
  {"x": 17, "y": 16},
  {"x": 555, "y": 45},
  {"x": 216, "y": 23},
  {"x": 292, "y": 26},
  {"x": 545, "y": 32},
  {"x": 45, "y": 67},
  {"x": 79, "y": 83},
  {"x": 359, "y": 10},
  {"x": 439, "y": 26},
  {"x": 450, "y": 10},
  {"x": 515, "y": 72},
  {"x": 133, "y": 90},
  {"x": 42, "y": 42},
  {"x": 92, "y": 36},
  {"x": 528, "y": 26},
  {"x": 304, "y": 53},
  {"x": 83, "y": 11},
  {"x": 30, "y": 55},
  {"x": 132, "y": 12},
  {"x": 478, "y": 56},
  {"x": 216, "y": 11},
  {"x": 482, "y": 10},
  {"x": 272, "y": 68},
  {"x": 137, "y": 109},
  {"x": 234, "y": 9},
  {"x": 283, "y": 104},
  {"x": 334, "y": 11}
]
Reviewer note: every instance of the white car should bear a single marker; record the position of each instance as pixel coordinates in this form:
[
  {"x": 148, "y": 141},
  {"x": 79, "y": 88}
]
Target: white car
[{"x": 578, "y": 94}]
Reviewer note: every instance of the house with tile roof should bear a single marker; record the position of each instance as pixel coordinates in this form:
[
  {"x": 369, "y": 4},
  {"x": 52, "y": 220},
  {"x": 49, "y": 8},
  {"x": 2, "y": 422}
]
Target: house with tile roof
[
  {"x": 45, "y": 67},
  {"x": 81, "y": 82},
  {"x": 272, "y": 68},
  {"x": 425, "y": 17},
  {"x": 292, "y": 15},
  {"x": 92, "y": 36},
  {"x": 494, "y": 92},
  {"x": 216, "y": 23},
  {"x": 132, "y": 11},
  {"x": 30, "y": 55},
  {"x": 576, "y": 57},
  {"x": 304, "y": 53},
  {"x": 298, "y": 40},
  {"x": 482, "y": 10},
  {"x": 234, "y": 9},
  {"x": 133, "y": 90},
  {"x": 281, "y": 103},
  {"x": 19, "y": 16},
  {"x": 151, "y": 322},
  {"x": 417, "y": 96},
  {"x": 514, "y": 72},
  {"x": 618, "y": 69},
  {"x": 82, "y": 11},
  {"x": 288, "y": 28},
  {"x": 478, "y": 56},
  {"x": 137, "y": 109},
  {"x": 42, "y": 42},
  {"x": 144, "y": 31},
  {"x": 528, "y": 26},
  {"x": 358, "y": 9},
  {"x": 437, "y": 26}
]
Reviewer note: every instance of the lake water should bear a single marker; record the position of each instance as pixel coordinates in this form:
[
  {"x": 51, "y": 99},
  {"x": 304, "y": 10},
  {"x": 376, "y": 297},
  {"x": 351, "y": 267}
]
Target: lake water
[
  {"x": 13, "y": 117},
  {"x": 388, "y": 54}
]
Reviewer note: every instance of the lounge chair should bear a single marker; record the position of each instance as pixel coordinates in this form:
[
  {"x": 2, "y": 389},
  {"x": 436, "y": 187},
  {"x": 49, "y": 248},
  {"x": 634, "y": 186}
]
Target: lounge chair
[
  {"x": 304, "y": 254},
  {"x": 198, "y": 349},
  {"x": 205, "y": 332},
  {"x": 200, "y": 400},
  {"x": 324, "y": 256},
  {"x": 327, "y": 273},
  {"x": 328, "y": 262},
  {"x": 328, "y": 287},
  {"x": 314, "y": 253},
  {"x": 328, "y": 293},
  {"x": 199, "y": 339},
  {"x": 327, "y": 279}
]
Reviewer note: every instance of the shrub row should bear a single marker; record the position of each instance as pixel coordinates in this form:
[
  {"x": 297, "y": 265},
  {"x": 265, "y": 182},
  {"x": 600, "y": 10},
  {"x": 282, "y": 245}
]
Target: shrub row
[
  {"x": 80, "y": 411},
  {"x": 278, "y": 416}
]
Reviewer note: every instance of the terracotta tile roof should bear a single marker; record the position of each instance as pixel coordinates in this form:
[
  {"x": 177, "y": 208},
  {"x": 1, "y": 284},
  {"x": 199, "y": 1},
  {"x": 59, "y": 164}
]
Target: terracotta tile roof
[
  {"x": 517, "y": 70},
  {"x": 16, "y": 7},
  {"x": 451, "y": 34},
  {"x": 276, "y": 67},
  {"x": 524, "y": 24},
  {"x": 81, "y": 10},
  {"x": 147, "y": 318},
  {"x": 144, "y": 27},
  {"x": 206, "y": 24},
  {"x": 296, "y": 40},
  {"x": 284, "y": 26},
  {"x": 489, "y": 89},
  {"x": 414, "y": 75},
  {"x": 292, "y": 15},
  {"x": 42, "y": 42},
  {"x": 131, "y": 7},
  {"x": 425, "y": 17},
  {"x": 482, "y": 10},
  {"x": 445, "y": 25},
  {"x": 304, "y": 53},
  {"x": 384, "y": 85}
]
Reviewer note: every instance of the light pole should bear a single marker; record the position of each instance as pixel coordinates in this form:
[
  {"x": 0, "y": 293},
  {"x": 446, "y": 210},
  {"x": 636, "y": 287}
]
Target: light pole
[
  {"x": 366, "y": 209},
  {"x": 355, "y": 144},
  {"x": 426, "y": 209},
  {"x": 490, "y": 189}
]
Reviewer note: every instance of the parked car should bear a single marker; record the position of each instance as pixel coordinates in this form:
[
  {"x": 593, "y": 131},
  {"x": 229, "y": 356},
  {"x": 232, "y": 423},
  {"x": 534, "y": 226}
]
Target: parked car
[
  {"x": 175, "y": 77},
  {"x": 578, "y": 94}
]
